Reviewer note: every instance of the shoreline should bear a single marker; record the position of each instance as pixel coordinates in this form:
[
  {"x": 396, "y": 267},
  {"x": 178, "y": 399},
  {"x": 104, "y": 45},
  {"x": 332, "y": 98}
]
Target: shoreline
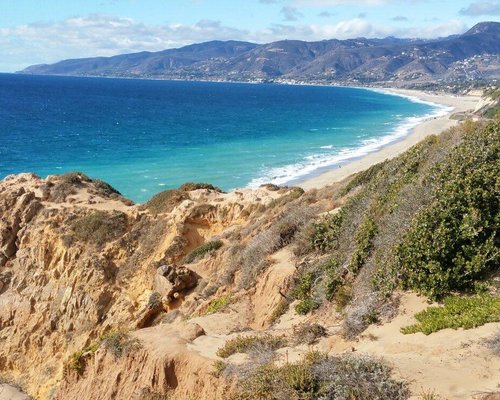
[{"x": 432, "y": 125}]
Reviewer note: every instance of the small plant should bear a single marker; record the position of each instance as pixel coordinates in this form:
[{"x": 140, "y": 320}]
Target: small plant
[
  {"x": 279, "y": 310},
  {"x": 242, "y": 344},
  {"x": 219, "y": 367},
  {"x": 218, "y": 305},
  {"x": 202, "y": 251},
  {"x": 457, "y": 312},
  {"x": 429, "y": 395},
  {"x": 76, "y": 361}
]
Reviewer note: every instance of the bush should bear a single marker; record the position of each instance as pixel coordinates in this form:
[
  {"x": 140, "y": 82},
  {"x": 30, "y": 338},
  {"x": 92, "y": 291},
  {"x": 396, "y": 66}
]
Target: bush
[
  {"x": 293, "y": 194},
  {"x": 281, "y": 233},
  {"x": 165, "y": 201},
  {"x": 457, "y": 312},
  {"x": 325, "y": 233},
  {"x": 77, "y": 361},
  {"x": 454, "y": 241},
  {"x": 303, "y": 291},
  {"x": 323, "y": 377},
  {"x": 104, "y": 189},
  {"x": 201, "y": 251},
  {"x": 308, "y": 333},
  {"x": 218, "y": 305},
  {"x": 364, "y": 237},
  {"x": 100, "y": 227},
  {"x": 243, "y": 344},
  {"x": 363, "y": 177},
  {"x": 187, "y": 187},
  {"x": 119, "y": 343},
  {"x": 306, "y": 306},
  {"x": 493, "y": 343},
  {"x": 279, "y": 310}
]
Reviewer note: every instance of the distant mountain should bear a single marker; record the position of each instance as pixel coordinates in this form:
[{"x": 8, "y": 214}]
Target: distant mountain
[{"x": 470, "y": 56}]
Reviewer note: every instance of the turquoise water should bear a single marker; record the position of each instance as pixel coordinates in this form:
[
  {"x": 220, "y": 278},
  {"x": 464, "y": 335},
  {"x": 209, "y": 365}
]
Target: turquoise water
[{"x": 146, "y": 136}]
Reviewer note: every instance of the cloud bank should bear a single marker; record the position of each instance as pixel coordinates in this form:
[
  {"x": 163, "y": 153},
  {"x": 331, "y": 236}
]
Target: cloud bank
[{"x": 104, "y": 35}]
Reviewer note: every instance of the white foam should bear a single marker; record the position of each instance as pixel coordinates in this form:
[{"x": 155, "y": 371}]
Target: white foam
[{"x": 312, "y": 163}]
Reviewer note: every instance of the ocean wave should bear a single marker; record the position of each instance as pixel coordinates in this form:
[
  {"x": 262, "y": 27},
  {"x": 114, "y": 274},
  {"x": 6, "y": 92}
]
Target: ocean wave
[{"x": 316, "y": 162}]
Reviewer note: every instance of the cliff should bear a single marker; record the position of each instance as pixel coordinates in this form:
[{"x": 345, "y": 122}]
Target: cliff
[{"x": 210, "y": 295}]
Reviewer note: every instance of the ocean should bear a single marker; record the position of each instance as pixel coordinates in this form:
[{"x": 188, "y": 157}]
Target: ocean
[{"x": 145, "y": 136}]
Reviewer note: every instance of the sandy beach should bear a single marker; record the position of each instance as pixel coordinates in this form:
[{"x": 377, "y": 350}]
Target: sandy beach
[{"x": 430, "y": 126}]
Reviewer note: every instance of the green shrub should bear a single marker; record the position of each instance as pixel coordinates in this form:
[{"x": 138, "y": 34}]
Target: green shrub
[
  {"x": 457, "y": 312},
  {"x": 454, "y": 241},
  {"x": 219, "y": 367},
  {"x": 303, "y": 291},
  {"x": 308, "y": 333},
  {"x": 279, "y": 310},
  {"x": 100, "y": 227},
  {"x": 201, "y": 251},
  {"x": 242, "y": 344},
  {"x": 76, "y": 361},
  {"x": 325, "y": 233},
  {"x": 364, "y": 237},
  {"x": 118, "y": 343},
  {"x": 219, "y": 304},
  {"x": 306, "y": 306}
]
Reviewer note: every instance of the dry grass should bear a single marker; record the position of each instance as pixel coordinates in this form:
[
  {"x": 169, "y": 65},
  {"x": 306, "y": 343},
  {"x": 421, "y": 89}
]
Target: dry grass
[
  {"x": 318, "y": 376},
  {"x": 278, "y": 235},
  {"x": 243, "y": 344},
  {"x": 99, "y": 227}
]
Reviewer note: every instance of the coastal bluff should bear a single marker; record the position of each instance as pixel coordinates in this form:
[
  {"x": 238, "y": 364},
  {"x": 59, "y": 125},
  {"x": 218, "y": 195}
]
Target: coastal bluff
[{"x": 268, "y": 292}]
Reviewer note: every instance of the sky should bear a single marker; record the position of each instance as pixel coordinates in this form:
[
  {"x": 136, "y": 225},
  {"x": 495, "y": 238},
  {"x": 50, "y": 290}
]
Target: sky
[{"x": 45, "y": 31}]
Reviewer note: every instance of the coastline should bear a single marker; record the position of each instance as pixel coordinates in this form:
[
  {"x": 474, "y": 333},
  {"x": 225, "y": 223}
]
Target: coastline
[{"x": 428, "y": 126}]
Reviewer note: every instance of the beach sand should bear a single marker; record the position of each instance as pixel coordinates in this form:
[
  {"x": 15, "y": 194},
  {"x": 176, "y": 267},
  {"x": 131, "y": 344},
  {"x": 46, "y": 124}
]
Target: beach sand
[{"x": 431, "y": 126}]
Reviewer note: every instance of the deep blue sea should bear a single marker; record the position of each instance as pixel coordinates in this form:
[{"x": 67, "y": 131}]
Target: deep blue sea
[{"x": 145, "y": 136}]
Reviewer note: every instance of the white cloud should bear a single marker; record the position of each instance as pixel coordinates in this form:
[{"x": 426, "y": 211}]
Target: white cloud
[
  {"x": 330, "y": 3},
  {"x": 482, "y": 8},
  {"x": 101, "y": 35},
  {"x": 290, "y": 13}
]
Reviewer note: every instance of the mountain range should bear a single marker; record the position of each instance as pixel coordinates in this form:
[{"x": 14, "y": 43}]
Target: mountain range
[{"x": 474, "y": 55}]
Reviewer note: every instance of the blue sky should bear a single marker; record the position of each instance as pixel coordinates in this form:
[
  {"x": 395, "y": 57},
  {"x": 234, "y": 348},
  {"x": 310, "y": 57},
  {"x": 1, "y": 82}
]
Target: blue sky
[{"x": 44, "y": 31}]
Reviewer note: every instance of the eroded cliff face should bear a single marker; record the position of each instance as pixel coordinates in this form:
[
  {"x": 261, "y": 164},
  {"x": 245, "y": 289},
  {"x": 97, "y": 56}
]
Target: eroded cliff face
[{"x": 78, "y": 261}]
